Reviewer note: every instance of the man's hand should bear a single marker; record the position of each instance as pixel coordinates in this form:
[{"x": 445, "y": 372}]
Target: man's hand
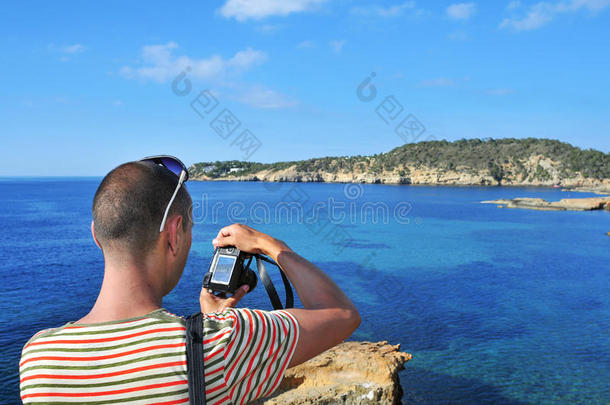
[
  {"x": 249, "y": 240},
  {"x": 329, "y": 316},
  {"x": 211, "y": 303}
]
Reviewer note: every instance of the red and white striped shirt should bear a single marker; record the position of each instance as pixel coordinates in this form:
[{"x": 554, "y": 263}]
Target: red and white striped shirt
[{"x": 143, "y": 359}]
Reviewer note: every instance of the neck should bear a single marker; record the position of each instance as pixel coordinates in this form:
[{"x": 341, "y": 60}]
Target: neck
[{"x": 128, "y": 291}]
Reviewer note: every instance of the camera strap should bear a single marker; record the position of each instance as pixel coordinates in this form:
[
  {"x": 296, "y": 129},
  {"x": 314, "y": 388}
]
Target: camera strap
[
  {"x": 271, "y": 291},
  {"x": 194, "y": 359}
]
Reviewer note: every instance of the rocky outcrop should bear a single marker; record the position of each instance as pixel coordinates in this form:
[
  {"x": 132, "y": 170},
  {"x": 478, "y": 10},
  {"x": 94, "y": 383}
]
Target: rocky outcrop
[
  {"x": 602, "y": 188},
  {"x": 350, "y": 373},
  {"x": 566, "y": 204}
]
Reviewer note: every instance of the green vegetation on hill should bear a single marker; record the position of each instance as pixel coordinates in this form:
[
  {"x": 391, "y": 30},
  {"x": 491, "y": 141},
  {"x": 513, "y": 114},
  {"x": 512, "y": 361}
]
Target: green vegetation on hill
[
  {"x": 494, "y": 153},
  {"x": 499, "y": 157}
]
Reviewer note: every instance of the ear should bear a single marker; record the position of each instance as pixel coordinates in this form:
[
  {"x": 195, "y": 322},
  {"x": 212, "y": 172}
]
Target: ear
[
  {"x": 173, "y": 227},
  {"x": 97, "y": 242}
]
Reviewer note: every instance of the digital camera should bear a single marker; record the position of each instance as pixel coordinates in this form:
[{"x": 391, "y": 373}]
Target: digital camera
[{"x": 229, "y": 271}]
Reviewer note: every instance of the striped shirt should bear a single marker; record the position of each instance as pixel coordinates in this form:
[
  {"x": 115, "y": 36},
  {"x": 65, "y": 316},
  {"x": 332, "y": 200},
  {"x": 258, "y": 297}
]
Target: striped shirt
[{"x": 143, "y": 359}]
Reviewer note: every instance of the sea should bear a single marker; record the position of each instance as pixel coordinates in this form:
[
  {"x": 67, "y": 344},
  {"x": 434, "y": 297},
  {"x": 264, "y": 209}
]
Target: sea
[{"x": 496, "y": 305}]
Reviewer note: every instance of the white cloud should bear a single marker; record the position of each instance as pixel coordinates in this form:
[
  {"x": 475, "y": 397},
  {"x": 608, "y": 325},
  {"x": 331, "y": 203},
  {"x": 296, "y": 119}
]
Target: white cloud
[
  {"x": 458, "y": 36},
  {"x": 265, "y": 98},
  {"x": 337, "y": 45},
  {"x": 439, "y": 82},
  {"x": 71, "y": 49},
  {"x": 306, "y": 44},
  {"x": 66, "y": 51},
  {"x": 243, "y": 10},
  {"x": 542, "y": 13},
  {"x": 513, "y": 5},
  {"x": 591, "y": 5},
  {"x": 537, "y": 15},
  {"x": 461, "y": 11},
  {"x": 244, "y": 59},
  {"x": 269, "y": 28},
  {"x": 499, "y": 92},
  {"x": 160, "y": 64},
  {"x": 375, "y": 10}
]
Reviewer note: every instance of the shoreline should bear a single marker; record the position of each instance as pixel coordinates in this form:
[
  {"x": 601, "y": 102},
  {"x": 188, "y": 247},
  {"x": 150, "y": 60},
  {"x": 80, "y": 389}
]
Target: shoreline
[
  {"x": 565, "y": 204},
  {"x": 602, "y": 190}
]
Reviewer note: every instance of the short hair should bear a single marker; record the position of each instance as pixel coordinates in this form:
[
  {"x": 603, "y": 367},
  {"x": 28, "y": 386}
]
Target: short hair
[{"x": 129, "y": 204}]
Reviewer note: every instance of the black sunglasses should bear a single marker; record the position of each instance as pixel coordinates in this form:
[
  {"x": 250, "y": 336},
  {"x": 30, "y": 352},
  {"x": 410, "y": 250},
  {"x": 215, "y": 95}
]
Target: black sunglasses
[{"x": 175, "y": 166}]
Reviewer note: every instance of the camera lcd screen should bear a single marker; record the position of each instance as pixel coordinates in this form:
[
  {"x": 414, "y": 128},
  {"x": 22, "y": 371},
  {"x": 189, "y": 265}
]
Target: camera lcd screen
[{"x": 224, "y": 267}]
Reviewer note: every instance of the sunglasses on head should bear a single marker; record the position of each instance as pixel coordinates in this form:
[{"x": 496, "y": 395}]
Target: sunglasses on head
[{"x": 175, "y": 166}]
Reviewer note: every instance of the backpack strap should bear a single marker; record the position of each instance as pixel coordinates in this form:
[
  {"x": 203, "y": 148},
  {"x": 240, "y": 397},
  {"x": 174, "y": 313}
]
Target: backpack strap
[{"x": 194, "y": 358}]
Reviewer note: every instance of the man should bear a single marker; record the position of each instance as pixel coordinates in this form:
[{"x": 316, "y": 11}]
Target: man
[{"x": 128, "y": 349}]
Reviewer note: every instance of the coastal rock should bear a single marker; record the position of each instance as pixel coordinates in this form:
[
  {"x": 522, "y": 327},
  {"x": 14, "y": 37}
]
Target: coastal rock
[
  {"x": 603, "y": 187},
  {"x": 467, "y": 162},
  {"x": 569, "y": 204},
  {"x": 423, "y": 175},
  {"x": 350, "y": 373}
]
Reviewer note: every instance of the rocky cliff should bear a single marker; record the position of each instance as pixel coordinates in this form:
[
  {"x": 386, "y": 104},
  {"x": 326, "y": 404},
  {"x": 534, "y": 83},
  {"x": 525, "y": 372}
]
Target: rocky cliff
[
  {"x": 421, "y": 175},
  {"x": 517, "y": 162},
  {"x": 350, "y": 373}
]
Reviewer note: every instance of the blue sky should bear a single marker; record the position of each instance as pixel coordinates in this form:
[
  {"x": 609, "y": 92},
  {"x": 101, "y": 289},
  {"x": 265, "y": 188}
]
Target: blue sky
[{"x": 88, "y": 85}]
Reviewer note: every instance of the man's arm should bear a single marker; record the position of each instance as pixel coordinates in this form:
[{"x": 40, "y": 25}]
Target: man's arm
[{"x": 329, "y": 316}]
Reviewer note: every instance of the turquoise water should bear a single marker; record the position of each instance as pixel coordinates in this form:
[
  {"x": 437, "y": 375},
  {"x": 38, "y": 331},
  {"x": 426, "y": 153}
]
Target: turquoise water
[{"x": 496, "y": 305}]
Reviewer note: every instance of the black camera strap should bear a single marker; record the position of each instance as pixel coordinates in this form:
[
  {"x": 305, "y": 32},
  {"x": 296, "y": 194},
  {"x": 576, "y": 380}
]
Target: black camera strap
[
  {"x": 271, "y": 291},
  {"x": 194, "y": 359}
]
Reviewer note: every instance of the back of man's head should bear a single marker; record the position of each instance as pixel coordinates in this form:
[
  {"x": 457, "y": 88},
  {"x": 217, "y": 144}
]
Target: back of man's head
[{"x": 129, "y": 204}]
